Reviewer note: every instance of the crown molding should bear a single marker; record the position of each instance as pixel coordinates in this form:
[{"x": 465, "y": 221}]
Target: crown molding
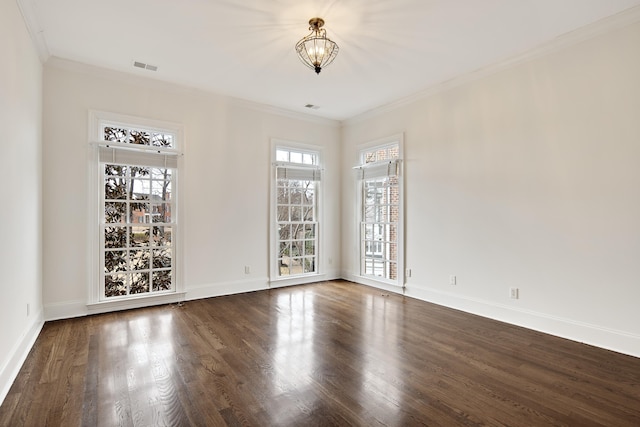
[
  {"x": 28, "y": 11},
  {"x": 156, "y": 84},
  {"x": 603, "y": 26}
]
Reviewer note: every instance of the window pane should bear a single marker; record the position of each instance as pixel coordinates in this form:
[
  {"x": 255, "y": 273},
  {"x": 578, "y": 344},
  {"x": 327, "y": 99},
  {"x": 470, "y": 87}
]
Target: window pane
[
  {"x": 162, "y": 258},
  {"x": 139, "y": 260},
  {"x": 295, "y": 157},
  {"x": 284, "y": 232},
  {"x": 161, "y": 190},
  {"x": 307, "y": 212},
  {"x": 310, "y": 247},
  {"x": 283, "y": 213},
  {"x": 139, "y": 213},
  {"x": 161, "y": 140},
  {"x": 115, "y": 170},
  {"x": 296, "y": 194},
  {"x": 310, "y": 231},
  {"x": 139, "y": 283},
  {"x": 161, "y": 212},
  {"x": 296, "y": 213},
  {"x": 370, "y": 157},
  {"x": 162, "y": 280},
  {"x": 283, "y": 267},
  {"x": 296, "y": 248},
  {"x": 139, "y": 137},
  {"x": 285, "y": 250},
  {"x": 115, "y": 189},
  {"x": 115, "y": 237},
  {"x": 308, "y": 195},
  {"x": 308, "y": 159},
  {"x": 115, "y": 261},
  {"x": 139, "y": 236},
  {"x": 283, "y": 196},
  {"x": 115, "y": 134},
  {"x": 115, "y": 285},
  {"x": 162, "y": 235},
  {"x": 114, "y": 212},
  {"x": 309, "y": 265},
  {"x": 282, "y": 156}
]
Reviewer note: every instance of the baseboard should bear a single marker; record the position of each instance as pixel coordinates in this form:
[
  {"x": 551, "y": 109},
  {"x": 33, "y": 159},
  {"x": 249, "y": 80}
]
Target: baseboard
[
  {"x": 227, "y": 288},
  {"x": 595, "y": 335},
  {"x": 18, "y": 355},
  {"x": 598, "y": 336}
]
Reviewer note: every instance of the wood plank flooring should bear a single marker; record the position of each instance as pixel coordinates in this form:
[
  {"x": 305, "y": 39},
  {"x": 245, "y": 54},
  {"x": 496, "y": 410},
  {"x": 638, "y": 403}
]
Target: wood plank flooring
[{"x": 332, "y": 353}]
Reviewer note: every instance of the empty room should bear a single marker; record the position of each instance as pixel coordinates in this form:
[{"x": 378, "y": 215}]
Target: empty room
[{"x": 323, "y": 213}]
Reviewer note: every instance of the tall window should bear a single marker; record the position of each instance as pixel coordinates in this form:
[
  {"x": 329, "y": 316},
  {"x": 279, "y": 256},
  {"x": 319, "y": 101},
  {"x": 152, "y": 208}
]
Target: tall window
[
  {"x": 380, "y": 215},
  {"x": 138, "y": 168},
  {"x": 297, "y": 178}
]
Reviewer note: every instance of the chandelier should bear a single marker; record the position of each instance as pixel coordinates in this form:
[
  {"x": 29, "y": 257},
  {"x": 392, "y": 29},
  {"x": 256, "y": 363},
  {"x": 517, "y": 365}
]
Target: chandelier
[{"x": 316, "y": 50}]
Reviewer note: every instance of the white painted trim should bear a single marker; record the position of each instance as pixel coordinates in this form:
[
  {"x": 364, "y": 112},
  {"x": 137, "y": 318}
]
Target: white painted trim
[
  {"x": 384, "y": 142},
  {"x": 298, "y": 280},
  {"x": 30, "y": 17},
  {"x": 156, "y": 84},
  {"x": 71, "y": 309},
  {"x": 598, "y": 336},
  {"x": 18, "y": 354},
  {"x": 611, "y": 23},
  {"x": 133, "y": 302},
  {"x": 65, "y": 310},
  {"x": 94, "y": 193},
  {"x": 611, "y": 339},
  {"x": 362, "y": 280},
  {"x": 226, "y": 288},
  {"x": 320, "y": 209}
]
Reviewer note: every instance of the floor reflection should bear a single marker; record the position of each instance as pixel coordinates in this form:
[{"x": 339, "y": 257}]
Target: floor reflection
[
  {"x": 382, "y": 380},
  {"x": 294, "y": 357}
]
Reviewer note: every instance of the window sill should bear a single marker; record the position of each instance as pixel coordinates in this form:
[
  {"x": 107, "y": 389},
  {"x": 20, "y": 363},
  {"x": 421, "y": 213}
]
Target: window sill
[
  {"x": 297, "y": 280},
  {"x": 135, "y": 302}
]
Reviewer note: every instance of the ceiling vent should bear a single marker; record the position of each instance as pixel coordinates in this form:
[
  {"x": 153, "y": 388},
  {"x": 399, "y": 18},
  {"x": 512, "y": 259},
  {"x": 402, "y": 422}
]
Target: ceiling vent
[
  {"x": 145, "y": 66},
  {"x": 312, "y": 107}
]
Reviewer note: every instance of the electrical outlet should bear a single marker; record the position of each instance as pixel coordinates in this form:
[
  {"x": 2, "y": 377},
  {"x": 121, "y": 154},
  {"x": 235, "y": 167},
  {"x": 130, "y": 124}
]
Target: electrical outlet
[
  {"x": 247, "y": 269},
  {"x": 408, "y": 272},
  {"x": 514, "y": 293},
  {"x": 27, "y": 310},
  {"x": 452, "y": 280}
]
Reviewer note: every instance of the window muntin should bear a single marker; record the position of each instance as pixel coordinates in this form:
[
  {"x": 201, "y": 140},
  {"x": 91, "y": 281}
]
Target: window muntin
[
  {"x": 380, "y": 213},
  {"x": 137, "y": 213},
  {"x": 297, "y": 222}
]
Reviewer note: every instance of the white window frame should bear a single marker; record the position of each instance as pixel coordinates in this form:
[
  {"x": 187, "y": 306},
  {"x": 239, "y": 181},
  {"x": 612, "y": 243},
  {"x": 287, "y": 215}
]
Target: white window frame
[
  {"x": 96, "y": 302},
  {"x": 275, "y": 279},
  {"x": 370, "y": 279}
]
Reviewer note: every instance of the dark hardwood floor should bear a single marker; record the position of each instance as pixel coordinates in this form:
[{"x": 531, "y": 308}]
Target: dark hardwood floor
[{"x": 332, "y": 353}]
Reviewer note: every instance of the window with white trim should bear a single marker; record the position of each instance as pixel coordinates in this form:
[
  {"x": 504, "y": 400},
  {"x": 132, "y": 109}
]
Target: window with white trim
[
  {"x": 380, "y": 215},
  {"x": 137, "y": 169},
  {"x": 297, "y": 178}
]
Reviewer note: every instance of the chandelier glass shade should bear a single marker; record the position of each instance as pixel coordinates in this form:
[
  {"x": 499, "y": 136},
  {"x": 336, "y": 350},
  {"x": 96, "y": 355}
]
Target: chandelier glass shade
[{"x": 316, "y": 51}]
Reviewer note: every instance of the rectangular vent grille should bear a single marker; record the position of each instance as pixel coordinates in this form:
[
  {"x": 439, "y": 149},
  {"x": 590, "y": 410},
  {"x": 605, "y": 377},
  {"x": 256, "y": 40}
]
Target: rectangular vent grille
[{"x": 145, "y": 66}]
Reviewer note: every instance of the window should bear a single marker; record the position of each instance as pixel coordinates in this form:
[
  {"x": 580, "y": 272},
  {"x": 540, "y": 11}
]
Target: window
[
  {"x": 297, "y": 178},
  {"x": 137, "y": 170},
  {"x": 380, "y": 213}
]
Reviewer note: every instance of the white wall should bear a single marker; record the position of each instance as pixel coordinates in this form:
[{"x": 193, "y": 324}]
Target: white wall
[
  {"x": 225, "y": 179},
  {"x": 20, "y": 194},
  {"x": 528, "y": 178}
]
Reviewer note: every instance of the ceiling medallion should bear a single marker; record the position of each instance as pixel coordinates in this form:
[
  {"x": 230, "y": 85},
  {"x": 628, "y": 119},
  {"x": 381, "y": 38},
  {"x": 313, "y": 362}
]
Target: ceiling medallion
[{"x": 316, "y": 50}]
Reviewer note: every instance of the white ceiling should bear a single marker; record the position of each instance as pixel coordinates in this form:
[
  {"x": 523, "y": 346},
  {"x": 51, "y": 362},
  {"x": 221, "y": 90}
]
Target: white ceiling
[{"x": 389, "y": 49}]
